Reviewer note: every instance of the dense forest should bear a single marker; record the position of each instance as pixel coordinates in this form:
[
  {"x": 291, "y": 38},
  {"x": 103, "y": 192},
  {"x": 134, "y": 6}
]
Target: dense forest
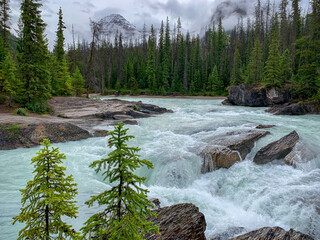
[{"x": 280, "y": 47}]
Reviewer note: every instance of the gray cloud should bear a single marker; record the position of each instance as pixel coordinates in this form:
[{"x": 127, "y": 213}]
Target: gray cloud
[{"x": 195, "y": 14}]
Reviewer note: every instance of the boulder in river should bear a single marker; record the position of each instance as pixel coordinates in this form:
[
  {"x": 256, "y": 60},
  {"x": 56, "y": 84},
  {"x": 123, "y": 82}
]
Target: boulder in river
[
  {"x": 273, "y": 233},
  {"x": 278, "y": 149},
  {"x": 301, "y": 153},
  {"x": 229, "y": 148},
  {"x": 295, "y": 109},
  {"x": 179, "y": 222},
  {"x": 255, "y": 96},
  {"x": 262, "y": 126}
]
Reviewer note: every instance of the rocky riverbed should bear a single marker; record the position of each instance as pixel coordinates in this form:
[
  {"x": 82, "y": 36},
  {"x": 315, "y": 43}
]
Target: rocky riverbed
[{"x": 72, "y": 119}]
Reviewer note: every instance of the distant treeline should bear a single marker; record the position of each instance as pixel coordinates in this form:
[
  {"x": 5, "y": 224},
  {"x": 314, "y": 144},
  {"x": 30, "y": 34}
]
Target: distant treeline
[{"x": 279, "y": 48}]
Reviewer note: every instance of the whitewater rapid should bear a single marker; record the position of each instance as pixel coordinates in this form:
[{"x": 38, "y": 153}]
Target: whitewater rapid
[{"x": 246, "y": 195}]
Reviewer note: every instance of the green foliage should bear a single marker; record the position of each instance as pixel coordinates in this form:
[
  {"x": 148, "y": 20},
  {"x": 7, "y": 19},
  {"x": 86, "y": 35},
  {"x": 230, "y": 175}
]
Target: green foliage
[
  {"x": 236, "y": 75},
  {"x": 136, "y": 108},
  {"x": 126, "y": 202},
  {"x": 9, "y": 83},
  {"x": 218, "y": 86},
  {"x": 285, "y": 66},
  {"x": 255, "y": 66},
  {"x": 77, "y": 83},
  {"x": 47, "y": 198},
  {"x": 33, "y": 57},
  {"x": 38, "y": 107},
  {"x": 13, "y": 129},
  {"x": 21, "y": 112},
  {"x": 272, "y": 70},
  {"x": 3, "y": 99}
]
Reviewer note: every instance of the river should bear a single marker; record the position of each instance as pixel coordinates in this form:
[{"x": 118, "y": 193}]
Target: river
[{"x": 246, "y": 195}]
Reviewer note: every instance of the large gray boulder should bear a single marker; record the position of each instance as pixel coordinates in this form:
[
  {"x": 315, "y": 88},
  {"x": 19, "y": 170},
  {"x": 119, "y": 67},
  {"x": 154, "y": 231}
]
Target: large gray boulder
[
  {"x": 255, "y": 96},
  {"x": 273, "y": 233},
  {"x": 179, "y": 222},
  {"x": 277, "y": 150},
  {"x": 227, "y": 149}
]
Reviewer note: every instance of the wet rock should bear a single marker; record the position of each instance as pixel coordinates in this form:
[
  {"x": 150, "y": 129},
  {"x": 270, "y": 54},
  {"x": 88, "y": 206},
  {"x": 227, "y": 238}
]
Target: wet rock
[
  {"x": 273, "y": 233},
  {"x": 155, "y": 202},
  {"x": 15, "y": 136},
  {"x": 229, "y": 148},
  {"x": 233, "y": 231},
  {"x": 277, "y": 150},
  {"x": 122, "y": 117},
  {"x": 261, "y": 126},
  {"x": 295, "y": 109},
  {"x": 179, "y": 222},
  {"x": 100, "y": 133},
  {"x": 301, "y": 153},
  {"x": 255, "y": 96}
]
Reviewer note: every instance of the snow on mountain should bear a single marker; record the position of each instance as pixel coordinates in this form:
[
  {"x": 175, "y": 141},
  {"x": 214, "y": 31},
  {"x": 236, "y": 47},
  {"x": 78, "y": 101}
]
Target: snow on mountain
[{"x": 115, "y": 24}]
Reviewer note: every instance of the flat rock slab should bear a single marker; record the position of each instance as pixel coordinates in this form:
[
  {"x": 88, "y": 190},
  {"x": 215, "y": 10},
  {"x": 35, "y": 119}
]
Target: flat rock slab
[
  {"x": 74, "y": 107},
  {"x": 229, "y": 148},
  {"x": 277, "y": 150},
  {"x": 273, "y": 233},
  {"x": 179, "y": 222},
  {"x": 16, "y": 136}
]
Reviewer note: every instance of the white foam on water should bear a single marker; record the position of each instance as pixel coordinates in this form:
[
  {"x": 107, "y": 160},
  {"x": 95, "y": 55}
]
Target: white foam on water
[{"x": 246, "y": 195}]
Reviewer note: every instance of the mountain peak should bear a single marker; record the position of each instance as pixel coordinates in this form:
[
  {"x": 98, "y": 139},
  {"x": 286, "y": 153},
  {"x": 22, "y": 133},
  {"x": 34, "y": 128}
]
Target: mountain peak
[{"x": 115, "y": 24}]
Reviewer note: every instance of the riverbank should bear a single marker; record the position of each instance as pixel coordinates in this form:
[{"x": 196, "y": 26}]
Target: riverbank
[
  {"x": 153, "y": 96},
  {"x": 71, "y": 119}
]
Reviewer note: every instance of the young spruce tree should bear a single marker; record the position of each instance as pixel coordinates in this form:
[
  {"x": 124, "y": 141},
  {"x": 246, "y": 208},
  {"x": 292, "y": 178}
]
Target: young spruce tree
[
  {"x": 47, "y": 198},
  {"x": 126, "y": 202},
  {"x": 33, "y": 57}
]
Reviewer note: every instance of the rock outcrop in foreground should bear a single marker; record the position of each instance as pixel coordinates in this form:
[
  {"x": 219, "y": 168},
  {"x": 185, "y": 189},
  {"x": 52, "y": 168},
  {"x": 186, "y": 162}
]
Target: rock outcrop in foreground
[
  {"x": 72, "y": 119},
  {"x": 225, "y": 150},
  {"x": 273, "y": 233},
  {"x": 179, "y": 222},
  {"x": 253, "y": 96},
  {"x": 277, "y": 150},
  {"x": 15, "y": 136}
]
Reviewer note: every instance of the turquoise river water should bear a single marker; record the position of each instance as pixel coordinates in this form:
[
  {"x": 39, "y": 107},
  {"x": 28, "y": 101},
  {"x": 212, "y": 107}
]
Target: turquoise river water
[{"x": 246, "y": 195}]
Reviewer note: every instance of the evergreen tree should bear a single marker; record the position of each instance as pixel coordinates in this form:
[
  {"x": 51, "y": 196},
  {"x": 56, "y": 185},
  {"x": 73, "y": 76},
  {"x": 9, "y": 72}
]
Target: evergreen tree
[
  {"x": 236, "y": 75},
  {"x": 255, "y": 66},
  {"x": 285, "y": 66},
  {"x": 77, "y": 83},
  {"x": 47, "y": 198},
  {"x": 61, "y": 82},
  {"x": 9, "y": 83},
  {"x": 33, "y": 56},
  {"x": 126, "y": 202},
  {"x": 272, "y": 70},
  {"x": 151, "y": 60},
  {"x": 4, "y": 20},
  {"x": 218, "y": 86}
]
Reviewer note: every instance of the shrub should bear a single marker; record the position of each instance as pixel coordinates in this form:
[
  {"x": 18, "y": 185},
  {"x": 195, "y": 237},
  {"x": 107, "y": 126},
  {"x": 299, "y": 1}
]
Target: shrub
[
  {"x": 38, "y": 107},
  {"x": 136, "y": 108},
  {"x": 3, "y": 99},
  {"x": 21, "y": 112}
]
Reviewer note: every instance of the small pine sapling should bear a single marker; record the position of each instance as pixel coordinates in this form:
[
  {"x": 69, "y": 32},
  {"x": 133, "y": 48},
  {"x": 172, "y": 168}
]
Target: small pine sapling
[
  {"x": 126, "y": 202},
  {"x": 47, "y": 198}
]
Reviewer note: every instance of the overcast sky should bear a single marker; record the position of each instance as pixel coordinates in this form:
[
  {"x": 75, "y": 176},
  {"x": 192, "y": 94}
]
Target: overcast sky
[{"x": 195, "y": 14}]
